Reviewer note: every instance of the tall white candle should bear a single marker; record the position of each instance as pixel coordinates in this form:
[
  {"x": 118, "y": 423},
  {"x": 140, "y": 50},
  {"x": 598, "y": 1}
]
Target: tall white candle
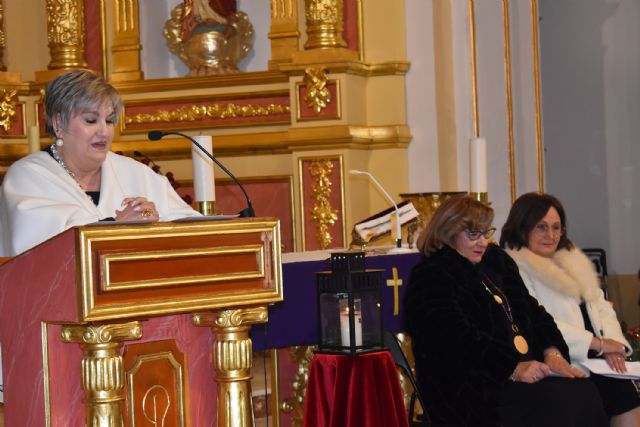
[
  {"x": 33, "y": 137},
  {"x": 344, "y": 323},
  {"x": 203, "y": 178},
  {"x": 478, "y": 165}
]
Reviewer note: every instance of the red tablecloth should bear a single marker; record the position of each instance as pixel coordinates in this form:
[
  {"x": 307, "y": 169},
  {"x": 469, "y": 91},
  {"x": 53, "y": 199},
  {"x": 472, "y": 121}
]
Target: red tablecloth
[{"x": 360, "y": 391}]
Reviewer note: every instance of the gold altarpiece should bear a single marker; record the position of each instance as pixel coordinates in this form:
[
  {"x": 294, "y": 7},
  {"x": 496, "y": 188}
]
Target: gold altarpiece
[{"x": 331, "y": 100}]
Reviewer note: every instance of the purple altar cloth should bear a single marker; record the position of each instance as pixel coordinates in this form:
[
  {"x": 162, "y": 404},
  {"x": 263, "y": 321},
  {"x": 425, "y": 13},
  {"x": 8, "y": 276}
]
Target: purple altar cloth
[{"x": 294, "y": 321}]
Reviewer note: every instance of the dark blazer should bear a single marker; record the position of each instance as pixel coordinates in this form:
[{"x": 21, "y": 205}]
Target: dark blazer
[{"x": 462, "y": 339}]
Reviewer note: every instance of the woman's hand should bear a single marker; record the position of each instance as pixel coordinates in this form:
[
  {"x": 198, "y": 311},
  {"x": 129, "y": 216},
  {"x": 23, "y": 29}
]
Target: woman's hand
[
  {"x": 614, "y": 352},
  {"x": 559, "y": 365},
  {"x": 530, "y": 372},
  {"x": 137, "y": 209}
]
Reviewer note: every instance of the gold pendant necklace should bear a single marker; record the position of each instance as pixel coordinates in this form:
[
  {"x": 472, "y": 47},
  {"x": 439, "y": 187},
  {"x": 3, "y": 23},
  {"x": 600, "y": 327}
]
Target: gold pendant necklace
[{"x": 519, "y": 342}]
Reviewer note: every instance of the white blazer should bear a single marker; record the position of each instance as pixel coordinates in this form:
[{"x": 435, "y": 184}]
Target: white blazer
[
  {"x": 39, "y": 199},
  {"x": 560, "y": 283}
]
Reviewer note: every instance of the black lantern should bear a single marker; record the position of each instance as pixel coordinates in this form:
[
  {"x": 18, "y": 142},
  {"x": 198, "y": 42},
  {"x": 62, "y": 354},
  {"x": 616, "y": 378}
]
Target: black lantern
[{"x": 349, "y": 306}]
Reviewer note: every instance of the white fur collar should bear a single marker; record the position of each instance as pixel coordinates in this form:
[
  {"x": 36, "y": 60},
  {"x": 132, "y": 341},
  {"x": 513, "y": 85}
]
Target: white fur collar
[{"x": 569, "y": 272}]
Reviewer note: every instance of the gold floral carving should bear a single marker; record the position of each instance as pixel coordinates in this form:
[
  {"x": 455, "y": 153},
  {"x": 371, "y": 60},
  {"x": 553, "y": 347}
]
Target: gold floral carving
[
  {"x": 232, "y": 361},
  {"x": 294, "y": 405},
  {"x": 322, "y": 212},
  {"x": 324, "y": 24},
  {"x": 65, "y": 33},
  {"x": 214, "y": 111},
  {"x": 8, "y": 101},
  {"x": 3, "y": 38},
  {"x": 102, "y": 370},
  {"x": 317, "y": 96}
]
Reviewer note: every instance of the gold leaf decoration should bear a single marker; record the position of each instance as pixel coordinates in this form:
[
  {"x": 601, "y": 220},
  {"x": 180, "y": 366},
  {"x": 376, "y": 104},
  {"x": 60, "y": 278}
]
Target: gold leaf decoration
[
  {"x": 318, "y": 96},
  {"x": 322, "y": 213},
  {"x": 8, "y": 101},
  {"x": 214, "y": 111}
]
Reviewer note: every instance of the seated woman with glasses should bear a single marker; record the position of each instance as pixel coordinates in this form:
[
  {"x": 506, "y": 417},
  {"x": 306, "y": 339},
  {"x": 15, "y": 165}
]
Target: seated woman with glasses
[
  {"x": 484, "y": 348},
  {"x": 563, "y": 280}
]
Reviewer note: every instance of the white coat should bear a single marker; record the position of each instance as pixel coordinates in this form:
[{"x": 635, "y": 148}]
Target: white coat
[
  {"x": 39, "y": 199},
  {"x": 560, "y": 283}
]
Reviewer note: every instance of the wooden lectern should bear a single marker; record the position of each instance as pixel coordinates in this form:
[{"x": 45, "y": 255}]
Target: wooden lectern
[{"x": 73, "y": 305}]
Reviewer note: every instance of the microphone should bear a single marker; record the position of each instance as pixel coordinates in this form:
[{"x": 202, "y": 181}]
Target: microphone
[
  {"x": 398, "y": 229},
  {"x": 156, "y": 135}
]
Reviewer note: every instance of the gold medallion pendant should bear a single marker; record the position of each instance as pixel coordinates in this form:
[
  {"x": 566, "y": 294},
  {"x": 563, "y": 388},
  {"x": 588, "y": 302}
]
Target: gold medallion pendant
[
  {"x": 521, "y": 344},
  {"x": 497, "y": 299}
]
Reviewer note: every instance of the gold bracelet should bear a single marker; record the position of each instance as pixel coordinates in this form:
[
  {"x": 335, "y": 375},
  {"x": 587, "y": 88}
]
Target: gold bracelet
[{"x": 554, "y": 354}]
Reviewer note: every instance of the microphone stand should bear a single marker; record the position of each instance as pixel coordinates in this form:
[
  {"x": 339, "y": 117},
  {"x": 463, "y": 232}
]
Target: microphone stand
[
  {"x": 398, "y": 248},
  {"x": 155, "y": 135}
]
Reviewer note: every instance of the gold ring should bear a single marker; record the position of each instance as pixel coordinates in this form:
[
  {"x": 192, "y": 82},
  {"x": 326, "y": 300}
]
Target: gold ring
[{"x": 146, "y": 213}]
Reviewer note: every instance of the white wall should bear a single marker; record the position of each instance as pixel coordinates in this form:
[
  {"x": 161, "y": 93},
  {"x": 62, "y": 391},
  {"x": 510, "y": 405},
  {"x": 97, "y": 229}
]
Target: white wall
[
  {"x": 591, "y": 104},
  {"x": 158, "y": 62},
  {"x": 421, "y": 104}
]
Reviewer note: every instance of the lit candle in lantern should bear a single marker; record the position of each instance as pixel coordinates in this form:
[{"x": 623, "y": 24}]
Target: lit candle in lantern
[
  {"x": 344, "y": 323},
  {"x": 478, "y": 165}
]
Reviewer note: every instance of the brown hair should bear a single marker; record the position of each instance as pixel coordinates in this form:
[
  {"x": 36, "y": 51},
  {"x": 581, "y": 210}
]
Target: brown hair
[
  {"x": 526, "y": 212},
  {"x": 454, "y": 215}
]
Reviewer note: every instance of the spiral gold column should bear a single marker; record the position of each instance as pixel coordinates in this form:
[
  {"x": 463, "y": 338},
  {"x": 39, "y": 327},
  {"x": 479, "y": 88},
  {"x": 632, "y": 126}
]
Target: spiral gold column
[
  {"x": 324, "y": 24},
  {"x": 232, "y": 361},
  {"x": 102, "y": 371}
]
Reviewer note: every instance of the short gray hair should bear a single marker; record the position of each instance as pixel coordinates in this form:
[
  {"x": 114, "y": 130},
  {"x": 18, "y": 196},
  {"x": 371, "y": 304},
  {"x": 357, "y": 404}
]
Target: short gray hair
[{"x": 75, "y": 92}]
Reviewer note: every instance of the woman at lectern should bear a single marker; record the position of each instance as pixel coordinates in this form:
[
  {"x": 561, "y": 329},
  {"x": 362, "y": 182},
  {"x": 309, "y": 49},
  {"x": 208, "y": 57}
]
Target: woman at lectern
[
  {"x": 561, "y": 277},
  {"x": 77, "y": 180},
  {"x": 486, "y": 353}
]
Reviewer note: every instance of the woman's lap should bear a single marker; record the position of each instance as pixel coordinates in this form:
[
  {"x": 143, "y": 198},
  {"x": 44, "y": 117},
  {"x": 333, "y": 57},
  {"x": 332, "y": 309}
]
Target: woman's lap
[{"x": 552, "y": 402}]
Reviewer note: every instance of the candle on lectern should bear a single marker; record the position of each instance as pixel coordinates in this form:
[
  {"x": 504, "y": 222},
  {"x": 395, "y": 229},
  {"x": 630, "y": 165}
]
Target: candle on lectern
[
  {"x": 478, "y": 165},
  {"x": 203, "y": 178},
  {"x": 33, "y": 137}
]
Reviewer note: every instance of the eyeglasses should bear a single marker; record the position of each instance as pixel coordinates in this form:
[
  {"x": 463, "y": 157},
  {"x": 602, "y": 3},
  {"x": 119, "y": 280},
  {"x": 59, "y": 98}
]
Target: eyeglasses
[
  {"x": 542, "y": 228},
  {"x": 475, "y": 234}
]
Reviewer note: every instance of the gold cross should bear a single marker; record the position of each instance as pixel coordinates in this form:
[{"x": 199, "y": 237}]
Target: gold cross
[{"x": 396, "y": 283}]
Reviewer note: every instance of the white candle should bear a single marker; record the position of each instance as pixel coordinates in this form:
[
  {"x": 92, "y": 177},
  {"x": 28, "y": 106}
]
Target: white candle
[
  {"x": 478, "y": 165},
  {"x": 203, "y": 179},
  {"x": 344, "y": 323},
  {"x": 34, "y": 138}
]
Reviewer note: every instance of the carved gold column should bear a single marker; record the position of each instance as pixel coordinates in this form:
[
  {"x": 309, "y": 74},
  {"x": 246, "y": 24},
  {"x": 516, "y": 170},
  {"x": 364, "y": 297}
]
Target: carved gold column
[
  {"x": 232, "y": 361},
  {"x": 65, "y": 35},
  {"x": 102, "y": 372},
  {"x": 126, "y": 46},
  {"x": 284, "y": 32},
  {"x": 324, "y": 24}
]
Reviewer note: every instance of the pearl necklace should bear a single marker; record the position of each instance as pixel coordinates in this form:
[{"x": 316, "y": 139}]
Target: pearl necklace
[{"x": 58, "y": 159}]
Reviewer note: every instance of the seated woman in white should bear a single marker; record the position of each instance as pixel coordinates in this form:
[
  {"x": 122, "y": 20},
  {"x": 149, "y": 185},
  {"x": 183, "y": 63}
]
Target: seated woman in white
[{"x": 563, "y": 280}]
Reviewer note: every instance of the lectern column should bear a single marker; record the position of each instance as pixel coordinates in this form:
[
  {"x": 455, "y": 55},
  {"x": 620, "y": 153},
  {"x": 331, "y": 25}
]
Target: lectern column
[
  {"x": 232, "y": 361},
  {"x": 102, "y": 372}
]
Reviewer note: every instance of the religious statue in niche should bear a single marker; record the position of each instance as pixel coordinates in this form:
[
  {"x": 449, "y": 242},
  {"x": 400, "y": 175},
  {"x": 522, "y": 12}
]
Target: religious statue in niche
[{"x": 209, "y": 36}]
